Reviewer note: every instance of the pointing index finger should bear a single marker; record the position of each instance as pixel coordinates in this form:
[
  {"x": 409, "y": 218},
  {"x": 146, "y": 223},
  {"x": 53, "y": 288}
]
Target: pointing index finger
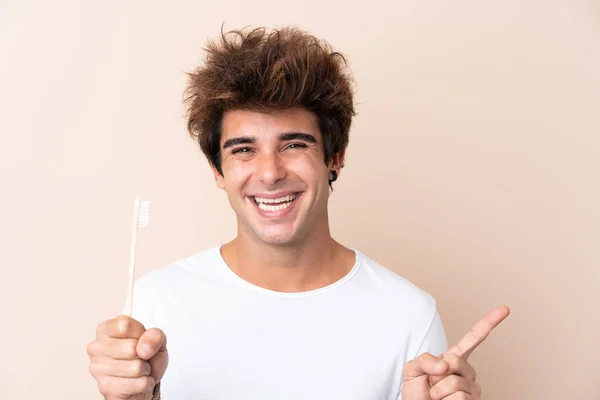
[{"x": 479, "y": 332}]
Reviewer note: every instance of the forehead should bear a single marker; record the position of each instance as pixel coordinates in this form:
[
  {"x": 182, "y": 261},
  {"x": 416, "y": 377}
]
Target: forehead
[{"x": 268, "y": 125}]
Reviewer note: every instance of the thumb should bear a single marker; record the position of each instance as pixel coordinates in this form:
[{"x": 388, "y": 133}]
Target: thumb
[
  {"x": 152, "y": 347},
  {"x": 425, "y": 364},
  {"x": 434, "y": 379}
]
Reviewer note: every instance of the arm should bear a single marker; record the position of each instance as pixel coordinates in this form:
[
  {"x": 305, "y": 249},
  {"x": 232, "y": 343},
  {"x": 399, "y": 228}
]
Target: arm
[{"x": 433, "y": 342}]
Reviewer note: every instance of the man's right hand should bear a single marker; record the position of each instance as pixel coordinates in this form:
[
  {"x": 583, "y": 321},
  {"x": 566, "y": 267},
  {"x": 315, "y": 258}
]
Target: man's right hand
[{"x": 126, "y": 359}]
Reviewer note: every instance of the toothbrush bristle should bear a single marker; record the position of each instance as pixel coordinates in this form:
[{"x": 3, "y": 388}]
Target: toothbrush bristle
[{"x": 144, "y": 214}]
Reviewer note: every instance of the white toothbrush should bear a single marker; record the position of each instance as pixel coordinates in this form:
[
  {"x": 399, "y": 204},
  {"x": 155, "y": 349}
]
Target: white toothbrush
[{"x": 141, "y": 211}]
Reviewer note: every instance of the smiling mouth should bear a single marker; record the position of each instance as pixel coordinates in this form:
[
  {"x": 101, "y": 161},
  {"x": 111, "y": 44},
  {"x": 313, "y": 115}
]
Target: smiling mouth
[{"x": 274, "y": 204}]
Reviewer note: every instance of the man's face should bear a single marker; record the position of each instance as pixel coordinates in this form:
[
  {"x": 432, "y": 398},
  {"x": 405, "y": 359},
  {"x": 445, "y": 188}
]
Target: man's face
[{"x": 274, "y": 174}]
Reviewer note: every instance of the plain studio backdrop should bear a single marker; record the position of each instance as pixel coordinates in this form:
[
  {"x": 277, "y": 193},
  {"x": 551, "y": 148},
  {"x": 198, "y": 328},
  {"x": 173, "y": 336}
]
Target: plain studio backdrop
[{"x": 473, "y": 171}]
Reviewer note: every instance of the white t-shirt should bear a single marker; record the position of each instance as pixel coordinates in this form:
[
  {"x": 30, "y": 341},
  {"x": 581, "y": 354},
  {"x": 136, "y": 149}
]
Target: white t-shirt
[{"x": 229, "y": 339}]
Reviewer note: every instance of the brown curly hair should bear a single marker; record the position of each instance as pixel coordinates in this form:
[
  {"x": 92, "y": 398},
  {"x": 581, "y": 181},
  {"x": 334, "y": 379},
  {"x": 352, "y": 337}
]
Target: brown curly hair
[{"x": 265, "y": 71}]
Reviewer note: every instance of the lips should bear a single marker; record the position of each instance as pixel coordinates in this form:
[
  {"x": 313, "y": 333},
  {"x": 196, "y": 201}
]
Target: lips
[{"x": 274, "y": 204}]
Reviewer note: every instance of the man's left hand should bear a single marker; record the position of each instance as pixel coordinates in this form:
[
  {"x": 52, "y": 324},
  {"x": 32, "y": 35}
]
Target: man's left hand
[{"x": 450, "y": 376}]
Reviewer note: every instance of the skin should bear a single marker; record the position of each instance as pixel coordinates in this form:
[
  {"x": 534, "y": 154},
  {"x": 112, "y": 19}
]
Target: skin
[
  {"x": 290, "y": 250},
  {"x": 126, "y": 359},
  {"x": 288, "y": 253},
  {"x": 450, "y": 376}
]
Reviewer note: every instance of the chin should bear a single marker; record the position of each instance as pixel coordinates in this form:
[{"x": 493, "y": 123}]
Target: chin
[
  {"x": 277, "y": 239},
  {"x": 285, "y": 234}
]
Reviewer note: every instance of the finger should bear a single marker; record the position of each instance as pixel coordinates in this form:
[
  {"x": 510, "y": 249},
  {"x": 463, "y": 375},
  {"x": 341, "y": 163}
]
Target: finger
[
  {"x": 111, "y": 386},
  {"x": 120, "y": 368},
  {"x": 452, "y": 384},
  {"x": 479, "y": 332},
  {"x": 153, "y": 347},
  {"x": 457, "y": 366},
  {"x": 118, "y": 349},
  {"x": 425, "y": 364},
  {"x": 460, "y": 396},
  {"x": 150, "y": 343},
  {"x": 124, "y": 327},
  {"x": 101, "y": 330}
]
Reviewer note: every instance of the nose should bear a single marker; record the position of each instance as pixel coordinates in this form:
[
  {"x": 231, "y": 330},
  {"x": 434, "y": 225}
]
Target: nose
[{"x": 271, "y": 169}]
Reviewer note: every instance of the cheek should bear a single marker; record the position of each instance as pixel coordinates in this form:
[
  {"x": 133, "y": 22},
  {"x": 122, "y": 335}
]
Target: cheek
[
  {"x": 308, "y": 169},
  {"x": 235, "y": 176}
]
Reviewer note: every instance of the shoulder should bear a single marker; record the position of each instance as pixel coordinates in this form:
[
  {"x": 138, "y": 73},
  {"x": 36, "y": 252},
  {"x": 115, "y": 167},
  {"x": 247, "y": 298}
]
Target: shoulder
[
  {"x": 161, "y": 290},
  {"x": 407, "y": 304},
  {"x": 411, "y": 308},
  {"x": 393, "y": 286},
  {"x": 173, "y": 274}
]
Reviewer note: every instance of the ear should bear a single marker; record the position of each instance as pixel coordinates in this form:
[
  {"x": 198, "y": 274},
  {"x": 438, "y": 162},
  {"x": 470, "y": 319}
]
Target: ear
[
  {"x": 219, "y": 179},
  {"x": 337, "y": 161}
]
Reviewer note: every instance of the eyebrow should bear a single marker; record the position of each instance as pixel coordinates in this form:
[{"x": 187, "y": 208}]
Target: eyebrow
[
  {"x": 307, "y": 137},
  {"x": 238, "y": 140}
]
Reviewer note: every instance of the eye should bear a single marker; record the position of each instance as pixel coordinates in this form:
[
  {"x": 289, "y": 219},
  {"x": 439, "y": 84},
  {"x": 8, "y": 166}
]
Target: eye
[
  {"x": 241, "y": 150},
  {"x": 296, "y": 146}
]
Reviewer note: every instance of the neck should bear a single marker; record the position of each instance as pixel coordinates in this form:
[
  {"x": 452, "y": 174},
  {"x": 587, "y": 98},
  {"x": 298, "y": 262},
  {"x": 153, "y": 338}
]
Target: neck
[{"x": 310, "y": 264}]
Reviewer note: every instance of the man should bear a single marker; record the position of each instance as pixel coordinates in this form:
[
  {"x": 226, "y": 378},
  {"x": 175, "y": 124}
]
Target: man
[{"x": 282, "y": 311}]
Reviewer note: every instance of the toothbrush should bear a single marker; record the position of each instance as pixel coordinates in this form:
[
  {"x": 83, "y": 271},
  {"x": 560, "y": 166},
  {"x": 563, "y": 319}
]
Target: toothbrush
[{"x": 141, "y": 211}]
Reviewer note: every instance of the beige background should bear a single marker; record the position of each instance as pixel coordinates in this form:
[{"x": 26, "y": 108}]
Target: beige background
[{"x": 472, "y": 170}]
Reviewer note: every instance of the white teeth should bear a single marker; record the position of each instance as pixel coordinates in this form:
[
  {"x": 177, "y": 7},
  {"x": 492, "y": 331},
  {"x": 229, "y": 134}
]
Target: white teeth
[
  {"x": 285, "y": 201},
  {"x": 267, "y": 207},
  {"x": 279, "y": 200}
]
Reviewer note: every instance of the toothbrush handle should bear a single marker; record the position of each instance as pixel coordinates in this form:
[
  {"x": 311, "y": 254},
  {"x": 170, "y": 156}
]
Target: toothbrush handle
[{"x": 134, "y": 230}]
